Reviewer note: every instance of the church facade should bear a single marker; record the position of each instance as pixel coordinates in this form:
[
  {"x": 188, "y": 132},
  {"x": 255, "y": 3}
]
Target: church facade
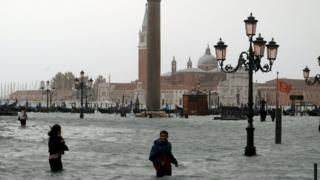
[{"x": 222, "y": 89}]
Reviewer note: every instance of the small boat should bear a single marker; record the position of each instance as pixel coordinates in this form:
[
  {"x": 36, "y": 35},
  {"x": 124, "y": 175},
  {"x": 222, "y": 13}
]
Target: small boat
[
  {"x": 314, "y": 112},
  {"x": 289, "y": 112},
  {"x": 152, "y": 114},
  {"x": 8, "y": 113},
  {"x": 232, "y": 113},
  {"x": 108, "y": 110}
]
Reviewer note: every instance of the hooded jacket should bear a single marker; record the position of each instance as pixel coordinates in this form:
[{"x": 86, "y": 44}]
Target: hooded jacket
[
  {"x": 159, "y": 150},
  {"x": 57, "y": 145}
]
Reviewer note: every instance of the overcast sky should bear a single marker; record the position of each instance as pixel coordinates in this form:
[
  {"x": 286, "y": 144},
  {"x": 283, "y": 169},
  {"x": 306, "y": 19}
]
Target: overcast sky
[{"x": 39, "y": 38}]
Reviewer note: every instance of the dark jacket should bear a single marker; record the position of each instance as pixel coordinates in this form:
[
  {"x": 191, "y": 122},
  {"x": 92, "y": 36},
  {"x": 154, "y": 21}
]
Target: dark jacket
[
  {"x": 159, "y": 150},
  {"x": 57, "y": 145}
]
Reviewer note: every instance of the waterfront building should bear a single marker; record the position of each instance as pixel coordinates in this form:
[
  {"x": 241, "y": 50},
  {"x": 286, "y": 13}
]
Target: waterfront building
[{"x": 267, "y": 91}]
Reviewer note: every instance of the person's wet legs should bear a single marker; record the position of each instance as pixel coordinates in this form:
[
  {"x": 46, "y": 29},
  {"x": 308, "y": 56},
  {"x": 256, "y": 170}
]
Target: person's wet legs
[
  {"x": 23, "y": 123},
  {"x": 163, "y": 171},
  {"x": 55, "y": 164}
]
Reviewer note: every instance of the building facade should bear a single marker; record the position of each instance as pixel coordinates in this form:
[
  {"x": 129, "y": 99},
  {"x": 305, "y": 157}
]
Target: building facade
[
  {"x": 267, "y": 91},
  {"x": 234, "y": 90}
]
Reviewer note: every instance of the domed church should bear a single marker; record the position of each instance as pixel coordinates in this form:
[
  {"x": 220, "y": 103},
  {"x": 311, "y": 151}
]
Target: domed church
[
  {"x": 207, "y": 73},
  {"x": 206, "y": 76},
  {"x": 222, "y": 87}
]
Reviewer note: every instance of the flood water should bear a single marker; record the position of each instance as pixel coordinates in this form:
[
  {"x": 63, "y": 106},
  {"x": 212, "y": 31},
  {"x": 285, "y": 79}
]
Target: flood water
[{"x": 110, "y": 147}]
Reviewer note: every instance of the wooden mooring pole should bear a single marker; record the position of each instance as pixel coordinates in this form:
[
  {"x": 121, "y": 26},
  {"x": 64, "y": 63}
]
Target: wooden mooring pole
[
  {"x": 278, "y": 125},
  {"x": 315, "y": 171}
]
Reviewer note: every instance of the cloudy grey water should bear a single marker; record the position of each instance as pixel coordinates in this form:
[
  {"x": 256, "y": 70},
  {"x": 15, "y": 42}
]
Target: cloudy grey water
[{"x": 110, "y": 147}]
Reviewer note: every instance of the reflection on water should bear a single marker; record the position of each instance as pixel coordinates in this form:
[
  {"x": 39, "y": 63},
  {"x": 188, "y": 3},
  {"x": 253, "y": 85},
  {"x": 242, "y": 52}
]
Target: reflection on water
[{"x": 110, "y": 147}]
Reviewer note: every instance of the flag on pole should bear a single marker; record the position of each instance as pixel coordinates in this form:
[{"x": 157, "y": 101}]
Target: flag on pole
[{"x": 284, "y": 87}]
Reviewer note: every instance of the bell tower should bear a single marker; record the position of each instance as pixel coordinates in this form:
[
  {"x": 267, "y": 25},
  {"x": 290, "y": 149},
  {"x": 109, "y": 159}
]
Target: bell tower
[
  {"x": 189, "y": 64},
  {"x": 142, "y": 76},
  {"x": 173, "y": 65}
]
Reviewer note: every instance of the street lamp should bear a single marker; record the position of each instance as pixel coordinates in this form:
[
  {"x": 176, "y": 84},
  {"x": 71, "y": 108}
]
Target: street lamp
[
  {"x": 46, "y": 89},
  {"x": 81, "y": 84},
  {"x": 306, "y": 72},
  {"x": 251, "y": 60}
]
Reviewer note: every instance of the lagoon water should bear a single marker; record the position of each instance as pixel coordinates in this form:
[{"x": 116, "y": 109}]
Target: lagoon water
[{"x": 110, "y": 147}]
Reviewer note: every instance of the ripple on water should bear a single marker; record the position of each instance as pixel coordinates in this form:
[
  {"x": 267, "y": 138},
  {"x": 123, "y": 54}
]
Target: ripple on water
[{"x": 110, "y": 147}]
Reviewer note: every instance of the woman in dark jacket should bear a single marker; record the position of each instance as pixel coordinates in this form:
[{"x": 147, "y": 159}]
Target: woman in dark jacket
[{"x": 57, "y": 147}]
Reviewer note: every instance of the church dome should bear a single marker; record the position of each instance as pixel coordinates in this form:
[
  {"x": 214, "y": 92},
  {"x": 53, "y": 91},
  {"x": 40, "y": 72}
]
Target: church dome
[{"x": 207, "y": 61}]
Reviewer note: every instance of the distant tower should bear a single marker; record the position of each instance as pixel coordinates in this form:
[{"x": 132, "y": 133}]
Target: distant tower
[
  {"x": 143, "y": 48},
  {"x": 173, "y": 65},
  {"x": 189, "y": 64},
  {"x": 153, "y": 56},
  {"x": 109, "y": 85}
]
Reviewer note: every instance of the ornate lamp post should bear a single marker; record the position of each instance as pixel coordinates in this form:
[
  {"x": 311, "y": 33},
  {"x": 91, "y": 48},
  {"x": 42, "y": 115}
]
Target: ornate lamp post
[
  {"x": 316, "y": 79},
  {"x": 46, "y": 89},
  {"x": 251, "y": 60},
  {"x": 81, "y": 84},
  {"x": 306, "y": 72}
]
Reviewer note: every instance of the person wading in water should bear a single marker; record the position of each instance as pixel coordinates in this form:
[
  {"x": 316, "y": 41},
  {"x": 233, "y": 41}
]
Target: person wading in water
[
  {"x": 161, "y": 155},
  {"x": 22, "y": 117},
  {"x": 57, "y": 147}
]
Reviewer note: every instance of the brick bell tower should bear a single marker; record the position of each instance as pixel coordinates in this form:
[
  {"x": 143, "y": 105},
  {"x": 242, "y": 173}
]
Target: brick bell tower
[{"x": 142, "y": 77}]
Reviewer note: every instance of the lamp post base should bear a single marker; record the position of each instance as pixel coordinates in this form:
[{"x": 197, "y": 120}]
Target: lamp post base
[
  {"x": 250, "y": 149},
  {"x": 81, "y": 116}
]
